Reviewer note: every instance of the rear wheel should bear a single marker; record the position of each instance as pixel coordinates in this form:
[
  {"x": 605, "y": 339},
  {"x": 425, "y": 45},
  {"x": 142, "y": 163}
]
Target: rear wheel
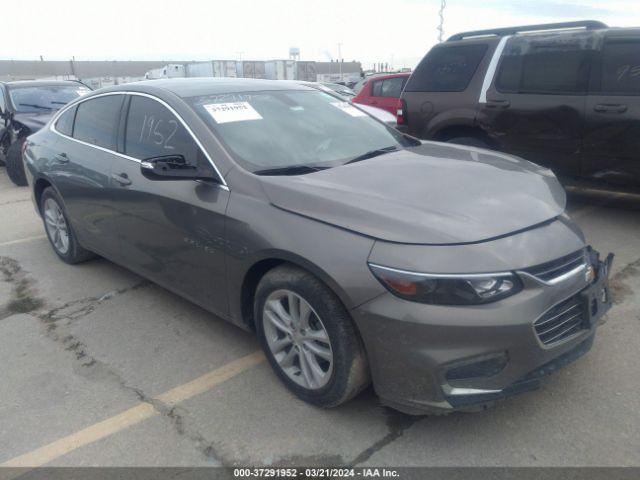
[
  {"x": 59, "y": 230},
  {"x": 15, "y": 165},
  {"x": 470, "y": 141},
  {"x": 309, "y": 337}
]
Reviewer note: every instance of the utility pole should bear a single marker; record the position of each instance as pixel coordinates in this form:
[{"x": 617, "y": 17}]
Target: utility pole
[
  {"x": 239, "y": 56},
  {"x": 443, "y": 4},
  {"x": 340, "y": 60}
]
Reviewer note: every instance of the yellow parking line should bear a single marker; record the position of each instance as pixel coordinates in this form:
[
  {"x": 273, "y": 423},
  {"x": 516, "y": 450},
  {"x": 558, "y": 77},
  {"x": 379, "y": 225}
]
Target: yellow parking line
[
  {"x": 22, "y": 240},
  {"x": 137, "y": 414}
]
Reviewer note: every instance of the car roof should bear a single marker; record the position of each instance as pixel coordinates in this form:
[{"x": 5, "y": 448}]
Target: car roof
[
  {"x": 40, "y": 83},
  {"x": 193, "y": 87}
]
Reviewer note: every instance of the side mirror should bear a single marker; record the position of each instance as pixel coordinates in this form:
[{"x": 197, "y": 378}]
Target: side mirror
[{"x": 173, "y": 167}]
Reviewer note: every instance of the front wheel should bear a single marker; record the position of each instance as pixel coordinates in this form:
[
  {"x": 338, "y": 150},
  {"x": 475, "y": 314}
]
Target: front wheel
[
  {"x": 309, "y": 337},
  {"x": 15, "y": 165}
]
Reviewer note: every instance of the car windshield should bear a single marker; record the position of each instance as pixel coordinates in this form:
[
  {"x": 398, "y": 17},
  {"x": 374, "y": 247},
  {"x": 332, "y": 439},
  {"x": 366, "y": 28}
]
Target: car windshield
[
  {"x": 44, "y": 98},
  {"x": 304, "y": 129}
]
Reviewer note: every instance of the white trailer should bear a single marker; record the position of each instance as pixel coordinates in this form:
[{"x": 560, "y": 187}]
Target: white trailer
[
  {"x": 224, "y": 68},
  {"x": 280, "y": 69},
  {"x": 251, "y": 69},
  {"x": 173, "y": 70},
  {"x": 200, "y": 69}
]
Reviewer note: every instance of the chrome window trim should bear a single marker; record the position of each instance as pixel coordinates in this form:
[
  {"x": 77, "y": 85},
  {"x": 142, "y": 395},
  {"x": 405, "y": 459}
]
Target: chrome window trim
[
  {"x": 491, "y": 69},
  {"x": 122, "y": 155},
  {"x": 443, "y": 275}
]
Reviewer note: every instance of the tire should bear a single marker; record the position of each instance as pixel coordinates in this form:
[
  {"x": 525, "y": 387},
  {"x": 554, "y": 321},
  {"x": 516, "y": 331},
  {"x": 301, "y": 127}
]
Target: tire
[
  {"x": 347, "y": 374},
  {"x": 469, "y": 141},
  {"x": 70, "y": 251},
  {"x": 15, "y": 165}
]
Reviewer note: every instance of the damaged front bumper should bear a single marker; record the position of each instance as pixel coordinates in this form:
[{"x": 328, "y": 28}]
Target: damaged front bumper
[{"x": 436, "y": 359}]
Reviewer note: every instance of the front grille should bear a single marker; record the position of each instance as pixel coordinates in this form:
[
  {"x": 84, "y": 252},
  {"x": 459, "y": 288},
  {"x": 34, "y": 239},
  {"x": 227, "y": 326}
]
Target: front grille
[
  {"x": 561, "y": 321},
  {"x": 555, "y": 268}
]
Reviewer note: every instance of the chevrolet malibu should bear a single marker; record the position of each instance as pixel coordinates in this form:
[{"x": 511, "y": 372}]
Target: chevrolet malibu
[{"x": 450, "y": 277}]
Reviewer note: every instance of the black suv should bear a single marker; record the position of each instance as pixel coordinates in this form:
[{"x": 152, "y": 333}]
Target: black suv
[
  {"x": 564, "y": 95},
  {"x": 25, "y": 107}
]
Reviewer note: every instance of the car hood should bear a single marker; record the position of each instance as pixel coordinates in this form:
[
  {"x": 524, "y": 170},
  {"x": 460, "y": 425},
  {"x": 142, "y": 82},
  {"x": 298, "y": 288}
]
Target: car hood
[
  {"x": 431, "y": 194},
  {"x": 34, "y": 121}
]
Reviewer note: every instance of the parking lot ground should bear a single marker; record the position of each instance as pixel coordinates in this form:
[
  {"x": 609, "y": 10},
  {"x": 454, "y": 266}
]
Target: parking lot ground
[{"x": 99, "y": 367}]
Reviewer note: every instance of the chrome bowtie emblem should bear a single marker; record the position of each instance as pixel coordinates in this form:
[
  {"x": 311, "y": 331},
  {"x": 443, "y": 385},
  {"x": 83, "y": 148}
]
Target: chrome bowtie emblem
[{"x": 589, "y": 274}]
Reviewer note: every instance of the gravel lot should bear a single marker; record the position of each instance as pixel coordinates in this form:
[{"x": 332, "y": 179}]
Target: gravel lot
[{"x": 99, "y": 367}]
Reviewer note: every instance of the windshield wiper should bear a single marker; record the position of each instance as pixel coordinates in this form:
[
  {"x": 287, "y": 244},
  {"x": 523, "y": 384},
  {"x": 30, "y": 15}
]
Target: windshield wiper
[
  {"x": 33, "y": 105},
  {"x": 373, "y": 153},
  {"x": 291, "y": 170}
]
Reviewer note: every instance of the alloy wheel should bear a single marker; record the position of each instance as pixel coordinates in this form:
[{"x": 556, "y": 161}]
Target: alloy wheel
[
  {"x": 297, "y": 339},
  {"x": 56, "y": 226}
]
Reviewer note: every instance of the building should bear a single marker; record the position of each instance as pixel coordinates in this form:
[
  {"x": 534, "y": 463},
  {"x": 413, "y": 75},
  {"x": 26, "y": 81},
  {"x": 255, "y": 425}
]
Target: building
[{"x": 96, "y": 74}]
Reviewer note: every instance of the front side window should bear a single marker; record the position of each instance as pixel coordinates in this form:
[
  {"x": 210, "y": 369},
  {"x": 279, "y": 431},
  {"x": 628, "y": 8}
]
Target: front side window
[
  {"x": 44, "y": 98},
  {"x": 153, "y": 131},
  {"x": 545, "y": 66},
  {"x": 278, "y": 129},
  {"x": 621, "y": 67},
  {"x": 447, "y": 68},
  {"x": 97, "y": 121},
  {"x": 64, "y": 124}
]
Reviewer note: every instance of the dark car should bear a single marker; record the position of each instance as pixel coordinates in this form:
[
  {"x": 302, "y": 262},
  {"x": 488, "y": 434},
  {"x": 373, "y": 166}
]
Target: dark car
[
  {"x": 449, "y": 276},
  {"x": 566, "y": 96},
  {"x": 25, "y": 107}
]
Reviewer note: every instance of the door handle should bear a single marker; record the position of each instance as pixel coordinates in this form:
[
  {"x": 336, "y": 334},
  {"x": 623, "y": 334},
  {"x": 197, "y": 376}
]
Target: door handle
[
  {"x": 610, "y": 108},
  {"x": 498, "y": 103},
  {"x": 121, "y": 178},
  {"x": 61, "y": 158}
]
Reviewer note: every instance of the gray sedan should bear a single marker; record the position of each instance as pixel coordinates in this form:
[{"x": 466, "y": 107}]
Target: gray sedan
[{"x": 448, "y": 276}]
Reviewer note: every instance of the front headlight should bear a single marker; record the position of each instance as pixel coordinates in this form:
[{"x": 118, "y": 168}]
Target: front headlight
[{"x": 447, "y": 289}]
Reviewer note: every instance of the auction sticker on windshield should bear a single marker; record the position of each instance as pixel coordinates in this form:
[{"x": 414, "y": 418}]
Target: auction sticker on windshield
[
  {"x": 346, "y": 107},
  {"x": 232, "y": 112}
]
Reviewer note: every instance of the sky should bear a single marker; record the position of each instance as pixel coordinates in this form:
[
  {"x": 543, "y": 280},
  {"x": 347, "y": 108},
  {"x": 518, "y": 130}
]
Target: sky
[{"x": 398, "y": 32}]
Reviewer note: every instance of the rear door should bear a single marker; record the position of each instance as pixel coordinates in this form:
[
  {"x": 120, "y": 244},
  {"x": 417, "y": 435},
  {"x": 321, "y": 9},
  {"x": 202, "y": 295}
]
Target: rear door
[
  {"x": 385, "y": 93},
  {"x": 81, "y": 168},
  {"x": 612, "y": 134},
  {"x": 171, "y": 231},
  {"x": 535, "y": 106}
]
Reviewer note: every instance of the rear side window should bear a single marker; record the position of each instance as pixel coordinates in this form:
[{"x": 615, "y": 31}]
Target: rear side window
[
  {"x": 64, "y": 124},
  {"x": 447, "y": 68},
  {"x": 390, "y": 87},
  {"x": 153, "y": 131},
  {"x": 97, "y": 121},
  {"x": 621, "y": 67},
  {"x": 550, "y": 67}
]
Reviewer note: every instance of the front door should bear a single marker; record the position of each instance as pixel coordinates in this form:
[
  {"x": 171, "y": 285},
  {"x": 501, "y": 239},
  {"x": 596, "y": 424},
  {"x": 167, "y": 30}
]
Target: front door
[
  {"x": 171, "y": 231},
  {"x": 535, "y": 106},
  {"x": 4, "y": 120},
  {"x": 612, "y": 134}
]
